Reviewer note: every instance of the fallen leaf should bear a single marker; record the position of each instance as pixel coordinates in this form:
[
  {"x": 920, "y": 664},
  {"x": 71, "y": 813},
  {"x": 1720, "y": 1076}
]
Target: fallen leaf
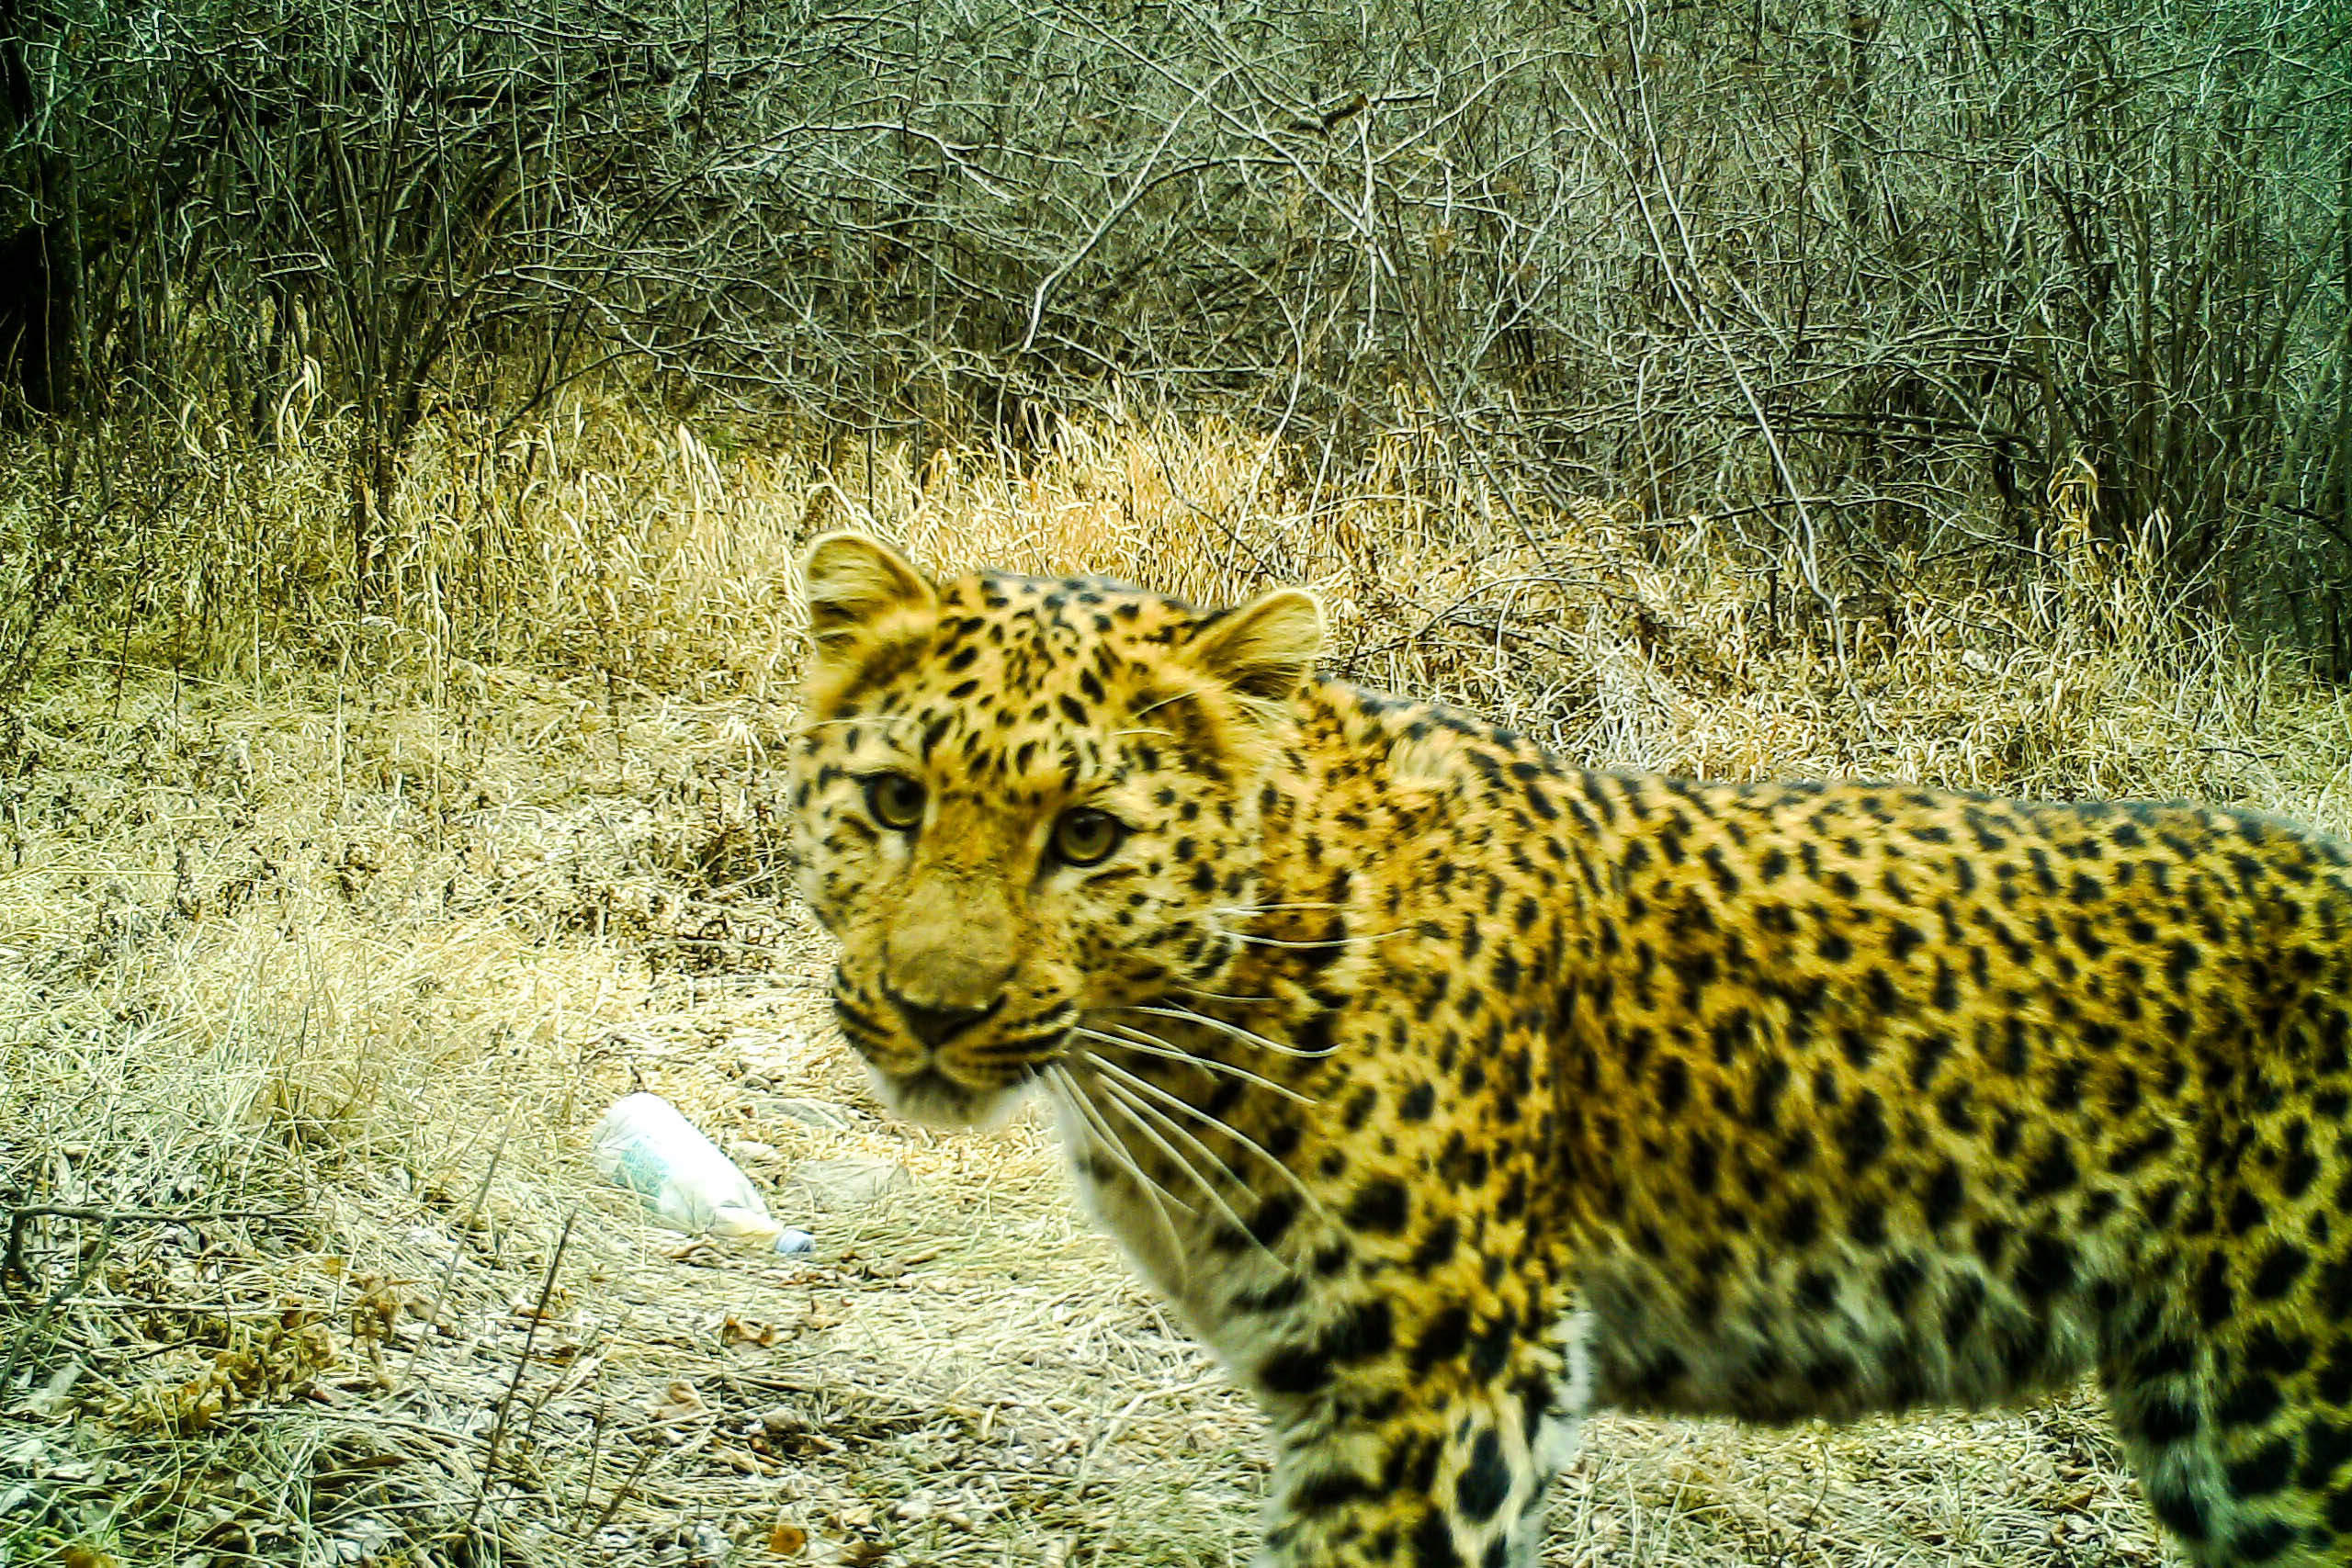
[
  {"x": 748, "y": 1331},
  {"x": 678, "y": 1402},
  {"x": 787, "y": 1539}
]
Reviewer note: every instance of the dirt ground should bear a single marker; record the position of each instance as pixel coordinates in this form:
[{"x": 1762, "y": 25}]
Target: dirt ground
[
  {"x": 309, "y": 1008},
  {"x": 321, "y": 958}
]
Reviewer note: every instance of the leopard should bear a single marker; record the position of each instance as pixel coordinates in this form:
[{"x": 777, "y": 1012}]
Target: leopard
[{"x": 1451, "y": 1092}]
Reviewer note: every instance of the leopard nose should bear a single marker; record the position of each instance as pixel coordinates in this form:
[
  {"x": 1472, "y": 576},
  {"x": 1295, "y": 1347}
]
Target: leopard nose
[{"x": 936, "y": 1026}]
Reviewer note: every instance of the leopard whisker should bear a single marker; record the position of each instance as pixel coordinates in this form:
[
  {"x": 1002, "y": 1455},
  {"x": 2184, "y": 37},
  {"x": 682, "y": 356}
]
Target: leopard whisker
[
  {"x": 1099, "y": 1129},
  {"x": 1179, "y": 1102},
  {"x": 1074, "y": 1094},
  {"x": 1320, "y": 942},
  {"x": 1018, "y": 1045},
  {"x": 1143, "y": 1116},
  {"x": 1128, "y": 1039},
  {"x": 1224, "y": 995},
  {"x": 1187, "y": 1015},
  {"x": 1183, "y": 696},
  {"x": 1124, "y": 1099}
]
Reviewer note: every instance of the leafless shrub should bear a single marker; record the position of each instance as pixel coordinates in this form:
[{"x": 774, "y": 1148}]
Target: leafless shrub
[{"x": 1859, "y": 279}]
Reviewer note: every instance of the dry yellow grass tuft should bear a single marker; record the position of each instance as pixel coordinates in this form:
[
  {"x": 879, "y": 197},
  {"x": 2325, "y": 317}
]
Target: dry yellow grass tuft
[{"x": 313, "y": 983}]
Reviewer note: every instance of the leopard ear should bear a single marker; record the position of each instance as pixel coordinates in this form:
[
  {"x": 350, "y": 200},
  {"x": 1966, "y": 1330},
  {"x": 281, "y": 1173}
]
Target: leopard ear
[
  {"x": 1265, "y": 650},
  {"x": 852, "y": 584}
]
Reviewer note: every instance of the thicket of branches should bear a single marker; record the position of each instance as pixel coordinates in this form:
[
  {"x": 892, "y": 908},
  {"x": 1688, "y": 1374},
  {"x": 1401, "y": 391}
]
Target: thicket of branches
[{"x": 1865, "y": 276}]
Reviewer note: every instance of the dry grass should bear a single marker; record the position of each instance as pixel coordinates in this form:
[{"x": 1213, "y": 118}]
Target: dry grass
[{"x": 340, "y": 971}]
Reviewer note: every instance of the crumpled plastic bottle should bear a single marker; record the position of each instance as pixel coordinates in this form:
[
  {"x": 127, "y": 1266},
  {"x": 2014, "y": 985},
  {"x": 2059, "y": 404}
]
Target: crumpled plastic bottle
[{"x": 685, "y": 1181}]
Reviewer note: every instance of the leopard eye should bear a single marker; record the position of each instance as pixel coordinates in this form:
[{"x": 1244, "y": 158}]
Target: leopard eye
[
  {"x": 895, "y": 800},
  {"x": 1086, "y": 835}
]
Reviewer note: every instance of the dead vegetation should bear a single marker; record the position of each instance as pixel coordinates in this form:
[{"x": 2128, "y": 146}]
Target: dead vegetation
[
  {"x": 322, "y": 946},
  {"x": 1875, "y": 268}
]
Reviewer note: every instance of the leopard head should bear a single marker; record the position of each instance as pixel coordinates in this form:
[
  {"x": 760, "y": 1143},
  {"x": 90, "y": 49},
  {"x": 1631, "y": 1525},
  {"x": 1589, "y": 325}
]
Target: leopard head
[{"x": 1020, "y": 802}]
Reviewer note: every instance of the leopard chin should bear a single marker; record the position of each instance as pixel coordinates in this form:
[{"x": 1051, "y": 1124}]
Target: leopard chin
[{"x": 931, "y": 1099}]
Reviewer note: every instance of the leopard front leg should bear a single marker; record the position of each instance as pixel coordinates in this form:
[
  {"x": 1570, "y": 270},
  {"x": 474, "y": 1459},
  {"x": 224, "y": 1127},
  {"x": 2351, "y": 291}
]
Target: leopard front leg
[{"x": 1437, "y": 1456}]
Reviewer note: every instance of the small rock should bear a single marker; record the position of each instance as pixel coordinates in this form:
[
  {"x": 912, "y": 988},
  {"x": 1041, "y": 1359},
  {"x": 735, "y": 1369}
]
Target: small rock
[
  {"x": 831, "y": 1185},
  {"x": 815, "y": 1113},
  {"x": 362, "y": 1538},
  {"x": 435, "y": 1243}
]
